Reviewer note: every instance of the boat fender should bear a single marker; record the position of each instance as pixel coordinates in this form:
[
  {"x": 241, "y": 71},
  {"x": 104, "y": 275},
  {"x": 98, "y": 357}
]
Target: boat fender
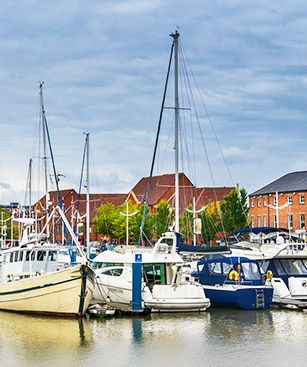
[
  {"x": 269, "y": 275},
  {"x": 233, "y": 275}
]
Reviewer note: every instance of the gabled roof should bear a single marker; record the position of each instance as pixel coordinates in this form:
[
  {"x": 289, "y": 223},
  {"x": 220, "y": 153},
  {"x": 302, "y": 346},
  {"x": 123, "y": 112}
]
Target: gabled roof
[
  {"x": 160, "y": 186},
  {"x": 291, "y": 182}
]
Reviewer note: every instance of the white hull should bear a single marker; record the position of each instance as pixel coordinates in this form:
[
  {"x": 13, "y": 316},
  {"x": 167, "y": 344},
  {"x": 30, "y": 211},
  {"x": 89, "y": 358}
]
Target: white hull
[
  {"x": 57, "y": 293},
  {"x": 163, "y": 298}
]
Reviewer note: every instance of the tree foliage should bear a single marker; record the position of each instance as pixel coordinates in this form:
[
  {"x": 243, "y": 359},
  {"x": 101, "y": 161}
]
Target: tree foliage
[
  {"x": 211, "y": 223},
  {"x": 234, "y": 211}
]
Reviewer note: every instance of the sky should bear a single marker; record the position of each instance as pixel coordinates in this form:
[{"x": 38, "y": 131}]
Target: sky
[{"x": 104, "y": 66}]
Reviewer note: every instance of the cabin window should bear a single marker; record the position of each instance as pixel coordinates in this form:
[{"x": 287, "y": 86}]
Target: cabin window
[
  {"x": 280, "y": 270},
  {"x": 114, "y": 272},
  {"x": 215, "y": 268},
  {"x": 28, "y": 255},
  {"x": 98, "y": 265},
  {"x": 250, "y": 271},
  {"x": 52, "y": 256},
  {"x": 33, "y": 255},
  {"x": 41, "y": 255},
  {"x": 264, "y": 265},
  {"x": 154, "y": 274},
  {"x": 293, "y": 266},
  {"x": 16, "y": 256},
  {"x": 12, "y": 257},
  {"x": 20, "y": 255},
  {"x": 302, "y": 199},
  {"x": 227, "y": 268}
]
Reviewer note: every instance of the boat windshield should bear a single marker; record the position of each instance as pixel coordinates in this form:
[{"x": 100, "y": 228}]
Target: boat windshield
[
  {"x": 250, "y": 271},
  {"x": 291, "y": 266},
  {"x": 99, "y": 265}
]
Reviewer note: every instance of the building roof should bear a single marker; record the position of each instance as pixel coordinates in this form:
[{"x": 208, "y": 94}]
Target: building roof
[
  {"x": 291, "y": 182},
  {"x": 160, "y": 186}
]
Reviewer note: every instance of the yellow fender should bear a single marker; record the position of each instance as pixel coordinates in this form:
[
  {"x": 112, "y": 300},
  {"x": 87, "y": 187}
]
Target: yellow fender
[{"x": 269, "y": 275}]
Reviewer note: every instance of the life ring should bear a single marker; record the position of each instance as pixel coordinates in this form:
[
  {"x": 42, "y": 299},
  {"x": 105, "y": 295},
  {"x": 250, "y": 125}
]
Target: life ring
[
  {"x": 269, "y": 275},
  {"x": 233, "y": 275}
]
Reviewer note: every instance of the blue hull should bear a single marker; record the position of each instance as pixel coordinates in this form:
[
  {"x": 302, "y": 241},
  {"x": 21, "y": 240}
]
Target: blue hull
[{"x": 242, "y": 298}]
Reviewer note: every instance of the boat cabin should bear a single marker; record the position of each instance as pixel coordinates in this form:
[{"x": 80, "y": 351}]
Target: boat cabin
[
  {"x": 24, "y": 262},
  {"x": 227, "y": 270}
]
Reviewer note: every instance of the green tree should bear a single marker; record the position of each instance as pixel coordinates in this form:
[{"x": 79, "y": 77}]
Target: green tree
[
  {"x": 105, "y": 218},
  {"x": 162, "y": 219},
  {"x": 186, "y": 224},
  {"x": 6, "y": 226},
  {"x": 234, "y": 210},
  {"x": 211, "y": 223}
]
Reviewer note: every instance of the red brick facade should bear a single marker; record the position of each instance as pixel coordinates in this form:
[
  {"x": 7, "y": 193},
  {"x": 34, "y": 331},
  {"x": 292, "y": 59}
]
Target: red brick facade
[{"x": 293, "y": 216}]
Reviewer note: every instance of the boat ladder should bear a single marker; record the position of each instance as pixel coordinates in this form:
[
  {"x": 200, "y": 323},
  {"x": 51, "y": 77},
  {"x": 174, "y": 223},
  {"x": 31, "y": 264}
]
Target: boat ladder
[{"x": 259, "y": 298}]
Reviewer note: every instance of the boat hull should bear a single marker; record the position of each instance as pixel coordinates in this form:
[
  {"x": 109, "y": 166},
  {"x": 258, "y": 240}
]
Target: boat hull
[
  {"x": 246, "y": 298},
  {"x": 66, "y": 292}
]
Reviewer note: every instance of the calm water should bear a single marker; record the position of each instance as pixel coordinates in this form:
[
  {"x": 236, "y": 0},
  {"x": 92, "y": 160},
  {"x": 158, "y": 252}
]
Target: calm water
[{"x": 215, "y": 338}]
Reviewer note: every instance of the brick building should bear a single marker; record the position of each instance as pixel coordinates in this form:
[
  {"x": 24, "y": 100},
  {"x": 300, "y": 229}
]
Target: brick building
[
  {"x": 291, "y": 200},
  {"x": 162, "y": 188}
]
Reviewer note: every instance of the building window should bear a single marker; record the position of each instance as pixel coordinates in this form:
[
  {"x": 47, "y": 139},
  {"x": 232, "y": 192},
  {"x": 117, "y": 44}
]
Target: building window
[
  {"x": 259, "y": 203},
  {"x": 289, "y": 197},
  {"x": 258, "y": 221},
  {"x": 265, "y": 221},
  {"x": 275, "y": 221},
  {"x": 264, "y": 201},
  {"x": 302, "y": 221},
  {"x": 290, "y": 221},
  {"x": 252, "y": 221},
  {"x": 275, "y": 200},
  {"x": 302, "y": 199},
  {"x": 252, "y": 203}
]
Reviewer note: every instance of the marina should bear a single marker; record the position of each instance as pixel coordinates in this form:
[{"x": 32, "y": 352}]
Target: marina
[{"x": 153, "y": 184}]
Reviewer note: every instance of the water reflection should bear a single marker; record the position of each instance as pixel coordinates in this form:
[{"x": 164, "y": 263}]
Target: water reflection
[{"x": 215, "y": 338}]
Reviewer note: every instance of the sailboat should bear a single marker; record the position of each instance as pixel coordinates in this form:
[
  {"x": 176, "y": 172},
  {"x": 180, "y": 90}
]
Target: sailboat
[
  {"x": 164, "y": 287},
  {"x": 33, "y": 281}
]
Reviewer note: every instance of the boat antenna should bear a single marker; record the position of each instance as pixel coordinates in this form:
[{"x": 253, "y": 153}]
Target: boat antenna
[{"x": 155, "y": 148}]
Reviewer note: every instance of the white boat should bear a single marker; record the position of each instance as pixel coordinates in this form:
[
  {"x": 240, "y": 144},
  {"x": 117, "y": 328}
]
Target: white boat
[
  {"x": 164, "y": 288},
  {"x": 287, "y": 264},
  {"x": 33, "y": 283}
]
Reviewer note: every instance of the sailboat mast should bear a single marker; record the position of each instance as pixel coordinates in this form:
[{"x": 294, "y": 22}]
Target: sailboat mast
[
  {"x": 176, "y": 143},
  {"x": 30, "y": 188},
  {"x": 87, "y": 140},
  {"x": 44, "y": 152}
]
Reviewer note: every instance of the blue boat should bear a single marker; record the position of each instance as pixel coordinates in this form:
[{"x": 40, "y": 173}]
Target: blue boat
[{"x": 235, "y": 282}]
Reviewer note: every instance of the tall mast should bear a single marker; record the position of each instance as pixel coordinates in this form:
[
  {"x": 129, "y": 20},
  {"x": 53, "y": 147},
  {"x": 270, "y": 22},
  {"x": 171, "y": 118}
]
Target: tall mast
[
  {"x": 45, "y": 153},
  {"x": 87, "y": 142},
  {"x": 176, "y": 143},
  {"x": 30, "y": 188}
]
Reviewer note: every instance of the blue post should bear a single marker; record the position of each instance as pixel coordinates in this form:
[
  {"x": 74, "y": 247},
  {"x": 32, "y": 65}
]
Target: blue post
[
  {"x": 137, "y": 283},
  {"x": 73, "y": 256}
]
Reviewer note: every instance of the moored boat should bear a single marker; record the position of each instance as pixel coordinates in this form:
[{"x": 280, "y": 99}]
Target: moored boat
[{"x": 235, "y": 282}]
